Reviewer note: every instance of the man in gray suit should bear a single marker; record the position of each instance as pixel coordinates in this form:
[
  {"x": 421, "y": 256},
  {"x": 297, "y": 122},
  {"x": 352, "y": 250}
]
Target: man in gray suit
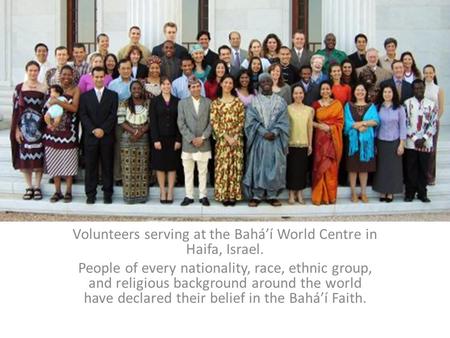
[
  {"x": 301, "y": 55},
  {"x": 195, "y": 128},
  {"x": 239, "y": 55}
]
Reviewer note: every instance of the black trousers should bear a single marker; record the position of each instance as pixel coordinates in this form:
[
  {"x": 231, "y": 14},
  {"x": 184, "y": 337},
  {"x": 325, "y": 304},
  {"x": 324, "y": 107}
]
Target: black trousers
[
  {"x": 416, "y": 172},
  {"x": 95, "y": 153}
]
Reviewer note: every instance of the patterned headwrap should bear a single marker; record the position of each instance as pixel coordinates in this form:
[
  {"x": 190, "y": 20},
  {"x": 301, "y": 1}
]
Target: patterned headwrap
[{"x": 196, "y": 48}]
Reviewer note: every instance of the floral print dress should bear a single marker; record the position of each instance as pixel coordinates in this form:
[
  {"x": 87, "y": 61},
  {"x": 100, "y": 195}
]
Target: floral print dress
[{"x": 227, "y": 118}]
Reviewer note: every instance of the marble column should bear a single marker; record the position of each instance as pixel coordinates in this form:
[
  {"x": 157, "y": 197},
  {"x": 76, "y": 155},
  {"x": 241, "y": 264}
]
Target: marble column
[
  {"x": 5, "y": 49},
  {"x": 5, "y": 42},
  {"x": 151, "y": 15},
  {"x": 347, "y": 18}
]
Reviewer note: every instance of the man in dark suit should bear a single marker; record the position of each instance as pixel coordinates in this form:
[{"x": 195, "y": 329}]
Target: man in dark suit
[
  {"x": 311, "y": 88},
  {"x": 203, "y": 38},
  {"x": 300, "y": 54},
  {"x": 98, "y": 114},
  {"x": 170, "y": 32},
  {"x": 358, "y": 58},
  {"x": 404, "y": 88},
  {"x": 225, "y": 56}
]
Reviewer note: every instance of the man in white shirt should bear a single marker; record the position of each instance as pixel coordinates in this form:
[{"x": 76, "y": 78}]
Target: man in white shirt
[{"x": 41, "y": 55}]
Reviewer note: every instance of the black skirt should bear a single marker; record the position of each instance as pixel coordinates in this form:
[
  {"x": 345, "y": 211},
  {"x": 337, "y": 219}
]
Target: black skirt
[
  {"x": 297, "y": 168},
  {"x": 389, "y": 175},
  {"x": 166, "y": 159}
]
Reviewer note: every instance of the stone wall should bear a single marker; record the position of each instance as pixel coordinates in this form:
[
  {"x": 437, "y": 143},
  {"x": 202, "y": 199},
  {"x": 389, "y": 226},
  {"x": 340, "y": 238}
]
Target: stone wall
[
  {"x": 254, "y": 19},
  {"x": 422, "y": 27}
]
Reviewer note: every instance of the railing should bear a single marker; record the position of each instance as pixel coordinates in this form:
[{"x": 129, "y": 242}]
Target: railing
[{"x": 313, "y": 46}]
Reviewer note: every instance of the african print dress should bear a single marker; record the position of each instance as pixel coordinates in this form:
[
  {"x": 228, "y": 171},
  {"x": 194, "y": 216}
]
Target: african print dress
[
  {"x": 28, "y": 117},
  {"x": 61, "y": 146},
  {"x": 228, "y": 119},
  {"x": 135, "y": 156}
]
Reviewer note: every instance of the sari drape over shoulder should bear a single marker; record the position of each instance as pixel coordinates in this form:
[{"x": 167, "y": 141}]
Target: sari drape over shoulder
[
  {"x": 266, "y": 160},
  {"x": 327, "y": 151}
]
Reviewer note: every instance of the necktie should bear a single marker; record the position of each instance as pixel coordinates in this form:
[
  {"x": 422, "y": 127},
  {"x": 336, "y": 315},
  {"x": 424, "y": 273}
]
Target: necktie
[
  {"x": 237, "y": 61},
  {"x": 99, "y": 95},
  {"x": 398, "y": 85},
  {"x": 299, "y": 54}
]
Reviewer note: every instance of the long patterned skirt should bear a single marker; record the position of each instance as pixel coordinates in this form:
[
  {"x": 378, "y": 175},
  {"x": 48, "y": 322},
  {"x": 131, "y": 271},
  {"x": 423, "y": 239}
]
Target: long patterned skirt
[
  {"x": 229, "y": 166},
  {"x": 135, "y": 163}
]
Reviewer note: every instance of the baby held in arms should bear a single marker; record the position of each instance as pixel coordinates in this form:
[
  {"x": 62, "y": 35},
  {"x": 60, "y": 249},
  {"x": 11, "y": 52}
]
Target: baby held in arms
[{"x": 55, "y": 111}]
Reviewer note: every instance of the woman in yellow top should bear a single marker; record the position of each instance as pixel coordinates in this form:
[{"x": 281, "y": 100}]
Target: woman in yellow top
[{"x": 300, "y": 144}]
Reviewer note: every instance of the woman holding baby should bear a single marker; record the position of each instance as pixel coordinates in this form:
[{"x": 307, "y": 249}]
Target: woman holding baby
[{"x": 61, "y": 139}]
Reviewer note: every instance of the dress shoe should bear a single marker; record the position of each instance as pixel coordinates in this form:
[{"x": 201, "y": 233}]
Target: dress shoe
[
  {"x": 204, "y": 201},
  {"x": 424, "y": 199},
  {"x": 107, "y": 200},
  {"x": 408, "y": 199},
  {"x": 389, "y": 199},
  {"x": 187, "y": 201},
  {"x": 232, "y": 203},
  {"x": 383, "y": 199},
  {"x": 90, "y": 200},
  {"x": 225, "y": 203},
  {"x": 119, "y": 183}
]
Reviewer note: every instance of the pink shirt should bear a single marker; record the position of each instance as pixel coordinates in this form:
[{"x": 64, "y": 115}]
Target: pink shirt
[{"x": 87, "y": 83}]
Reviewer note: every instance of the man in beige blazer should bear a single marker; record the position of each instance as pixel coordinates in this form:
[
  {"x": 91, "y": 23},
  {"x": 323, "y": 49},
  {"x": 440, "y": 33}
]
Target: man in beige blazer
[{"x": 195, "y": 128}]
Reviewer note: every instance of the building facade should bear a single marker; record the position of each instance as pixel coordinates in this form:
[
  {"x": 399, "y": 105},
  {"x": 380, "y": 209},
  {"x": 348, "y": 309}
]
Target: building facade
[{"x": 419, "y": 26}]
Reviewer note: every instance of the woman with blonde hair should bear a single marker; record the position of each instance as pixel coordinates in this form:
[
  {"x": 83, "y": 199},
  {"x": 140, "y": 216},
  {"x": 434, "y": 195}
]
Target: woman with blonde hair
[{"x": 255, "y": 50}]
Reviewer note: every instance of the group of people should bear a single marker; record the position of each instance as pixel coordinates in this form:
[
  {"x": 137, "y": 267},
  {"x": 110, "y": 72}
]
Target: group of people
[{"x": 253, "y": 122}]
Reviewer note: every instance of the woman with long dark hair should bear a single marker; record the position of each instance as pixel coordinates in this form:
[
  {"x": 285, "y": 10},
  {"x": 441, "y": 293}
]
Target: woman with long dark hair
[
  {"x": 412, "y": 72},
  {"x": 255, "y": 69},
  {"x": 244, "y": 87},
  {"x": 271, "y": 48},
  {"x": 227, "y": 120},
  {"x": 218, "y": 71},
  {"x": 391, "y": 136},
  {"x": 435, "y": 93}
]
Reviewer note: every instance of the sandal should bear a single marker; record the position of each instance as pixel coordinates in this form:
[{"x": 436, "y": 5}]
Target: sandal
[
  {"x": 364, "y": 198},
  {"x": 56, "y": 197},
  {"x": 68, "y": 197},
  {"x": 29, "y": 194},
  {"x": 254, "y": 202},
  {"x": 37, "y": 194},
  {"x": 274, "y": 202}
]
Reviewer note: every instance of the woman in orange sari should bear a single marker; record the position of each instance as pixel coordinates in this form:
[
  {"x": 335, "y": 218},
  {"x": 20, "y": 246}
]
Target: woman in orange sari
[{"x": 327, "y": 146}]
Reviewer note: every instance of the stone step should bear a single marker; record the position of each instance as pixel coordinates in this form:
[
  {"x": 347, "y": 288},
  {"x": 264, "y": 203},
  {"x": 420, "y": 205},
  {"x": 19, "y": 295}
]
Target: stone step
[
  {"x": 17, "y": 186},
  {"x": 217, "y": 210}
]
